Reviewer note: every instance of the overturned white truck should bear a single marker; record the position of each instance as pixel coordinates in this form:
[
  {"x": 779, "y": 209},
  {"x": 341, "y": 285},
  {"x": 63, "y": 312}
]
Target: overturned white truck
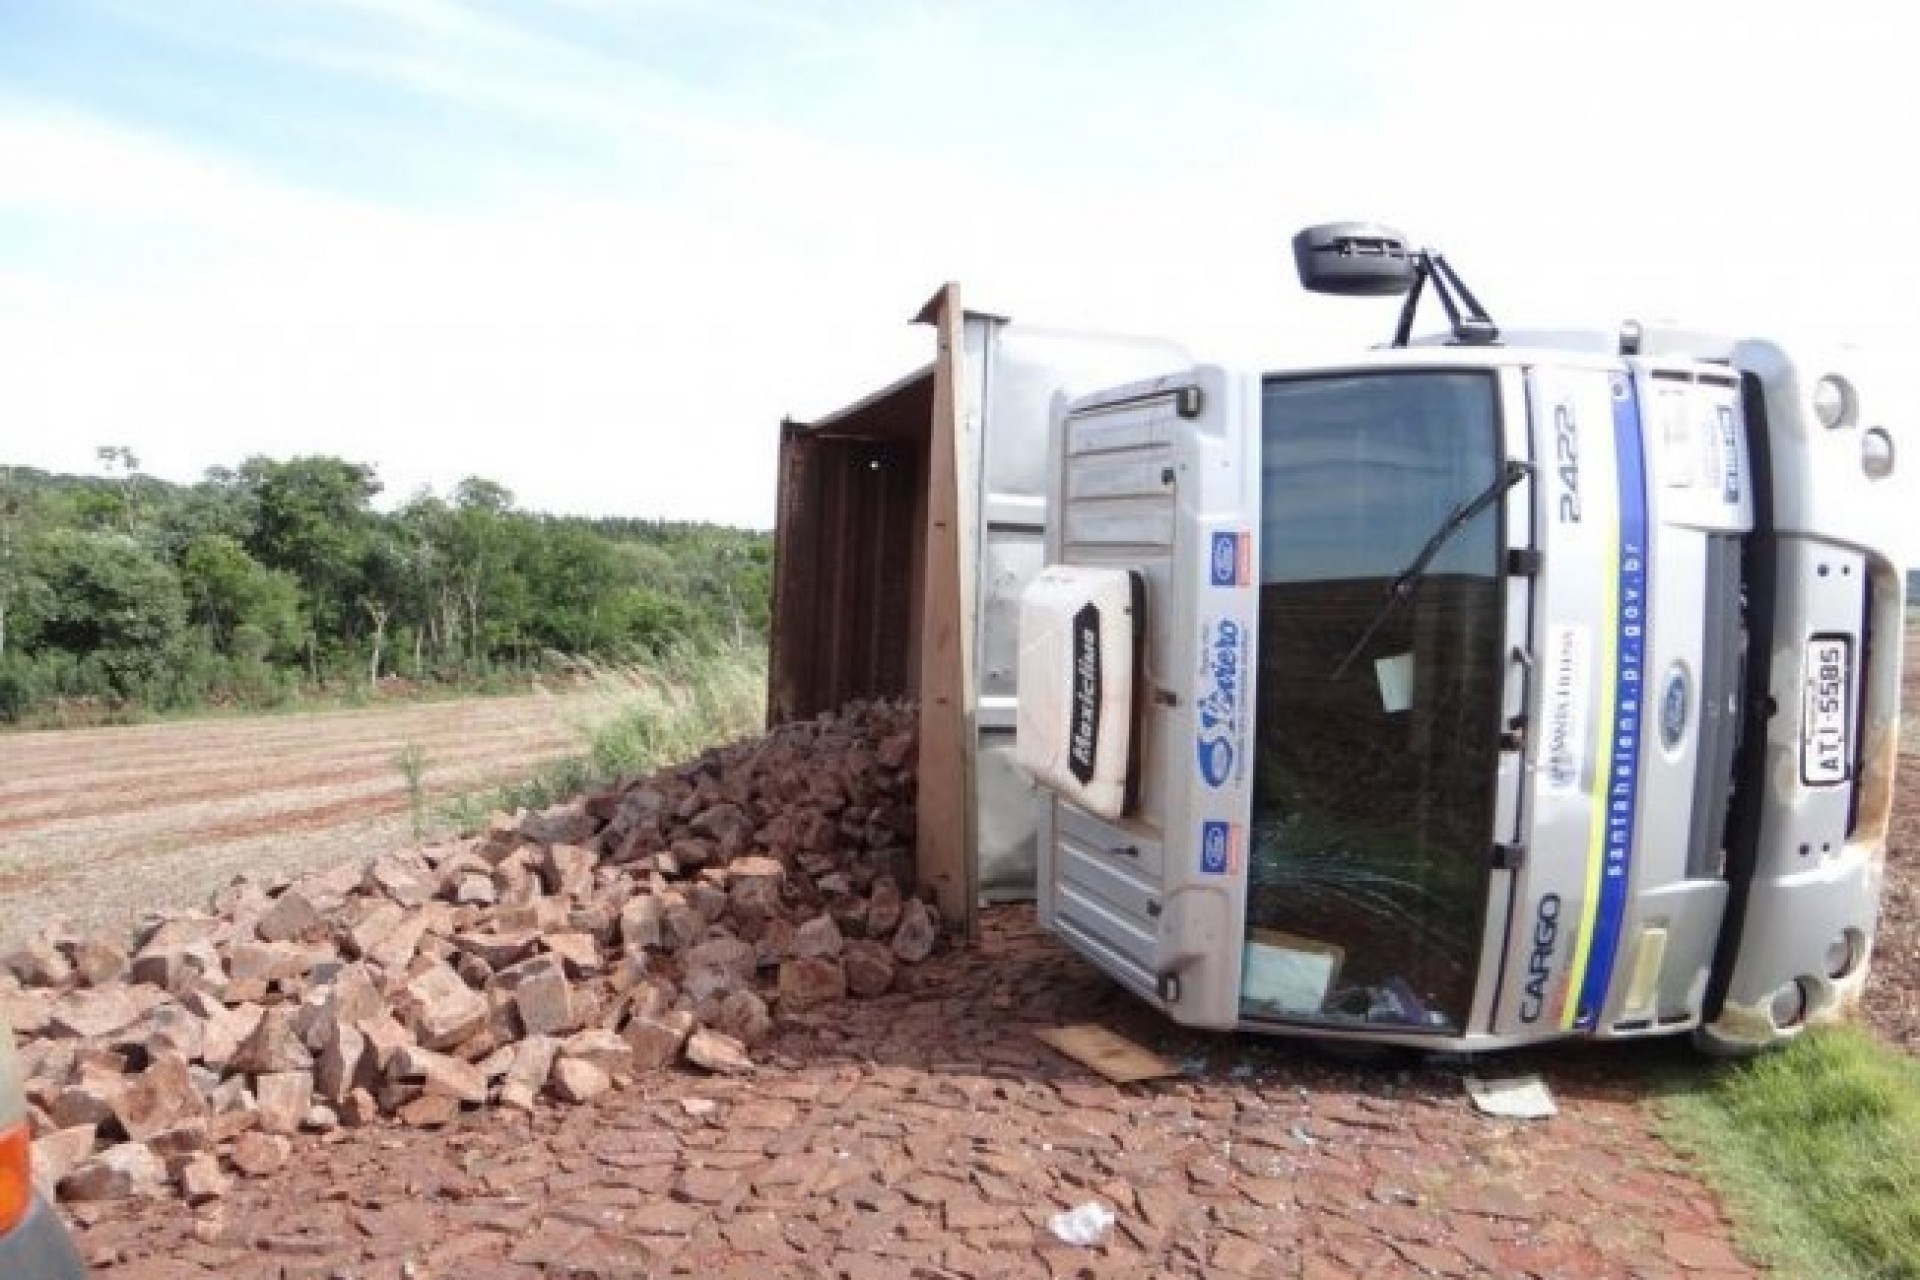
[{"x": 1473, "y": 691}]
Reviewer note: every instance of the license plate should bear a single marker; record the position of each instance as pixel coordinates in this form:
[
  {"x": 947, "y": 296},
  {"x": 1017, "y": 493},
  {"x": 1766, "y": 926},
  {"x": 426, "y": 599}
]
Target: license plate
[{"x": 1828, "y": 681}]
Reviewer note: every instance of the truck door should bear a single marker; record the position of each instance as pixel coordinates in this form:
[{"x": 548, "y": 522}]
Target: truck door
[
  {"x": 1160, "y": 480},
  {"x": 1382, "y": 696}
]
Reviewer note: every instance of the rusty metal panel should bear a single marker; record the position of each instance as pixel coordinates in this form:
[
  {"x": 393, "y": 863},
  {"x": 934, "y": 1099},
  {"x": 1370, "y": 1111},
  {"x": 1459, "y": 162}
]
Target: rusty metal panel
[
  {"x": 847, "y": 550},
  {"x": 790, "y": 640}
]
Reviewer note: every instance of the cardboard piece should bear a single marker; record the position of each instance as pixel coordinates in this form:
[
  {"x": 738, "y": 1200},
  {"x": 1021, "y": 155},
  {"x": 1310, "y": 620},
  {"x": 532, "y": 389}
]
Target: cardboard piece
[{"x": 1113, "y": 1056}]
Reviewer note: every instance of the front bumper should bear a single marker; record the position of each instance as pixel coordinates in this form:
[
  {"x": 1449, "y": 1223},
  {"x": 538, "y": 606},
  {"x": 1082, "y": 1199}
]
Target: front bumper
[{"x": 40, "y": 1248}]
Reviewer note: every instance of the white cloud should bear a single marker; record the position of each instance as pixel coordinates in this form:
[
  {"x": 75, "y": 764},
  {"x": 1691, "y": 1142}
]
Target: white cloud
[
  {"x": 599, "y": 356},
  {"x": 66, "y": 164},
  {"x": 628, "y": 340}
]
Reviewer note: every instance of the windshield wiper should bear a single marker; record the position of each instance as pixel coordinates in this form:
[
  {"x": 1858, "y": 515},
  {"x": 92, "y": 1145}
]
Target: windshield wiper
[{"x": 1511, "y": 473}]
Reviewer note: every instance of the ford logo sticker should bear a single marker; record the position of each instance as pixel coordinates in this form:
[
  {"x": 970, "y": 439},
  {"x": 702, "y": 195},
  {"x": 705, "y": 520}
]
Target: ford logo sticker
[
  {"x": 1674, "y": 700},
  {"x": 1216, "y": 761}
]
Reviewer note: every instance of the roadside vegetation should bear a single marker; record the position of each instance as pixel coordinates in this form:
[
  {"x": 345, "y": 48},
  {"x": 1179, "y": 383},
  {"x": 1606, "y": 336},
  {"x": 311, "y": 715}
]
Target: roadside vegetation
[
  {"x": 1816, "y": 1149},
  {"x": 277, "y": 582}
]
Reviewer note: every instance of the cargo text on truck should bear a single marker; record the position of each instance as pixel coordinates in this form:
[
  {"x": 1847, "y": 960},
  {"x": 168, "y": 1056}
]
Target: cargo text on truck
[{"x": 1474, "y": 690}]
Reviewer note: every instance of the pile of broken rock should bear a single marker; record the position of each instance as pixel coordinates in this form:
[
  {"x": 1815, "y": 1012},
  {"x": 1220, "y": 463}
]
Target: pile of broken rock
[{"x": 558, "y": 953}]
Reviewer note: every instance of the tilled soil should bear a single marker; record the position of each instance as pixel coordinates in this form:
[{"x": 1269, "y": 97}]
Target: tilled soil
[
  {"x": 928, "y": 1133},
  {"x": 100, "y": 825}
]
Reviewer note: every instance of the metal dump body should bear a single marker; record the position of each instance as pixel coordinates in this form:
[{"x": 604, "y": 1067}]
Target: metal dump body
[{"x": 909, "y": 522}]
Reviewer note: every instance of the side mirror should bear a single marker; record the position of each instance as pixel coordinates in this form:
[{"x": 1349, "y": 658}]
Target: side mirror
[{"x": 1354, "y": 260}]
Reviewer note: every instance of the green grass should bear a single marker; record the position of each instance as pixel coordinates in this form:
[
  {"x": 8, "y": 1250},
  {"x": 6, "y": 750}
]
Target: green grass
[
  {"x": 412, "y": 763},
  {"x": 667, "y": 713},
  {"x": 1816, "y": 1148}
]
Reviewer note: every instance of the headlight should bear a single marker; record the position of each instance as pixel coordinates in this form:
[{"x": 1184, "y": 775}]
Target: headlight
[
  {"x": 1789, "y": 1006},
  {"x": 1876, "y": 454},
  {"x": 1833, "y": 401},
  {"x": 1843, "y": 953}
]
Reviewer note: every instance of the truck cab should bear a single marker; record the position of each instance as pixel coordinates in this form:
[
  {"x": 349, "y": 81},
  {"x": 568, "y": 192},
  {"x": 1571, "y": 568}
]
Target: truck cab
[{"x": 1471, "y": 692}]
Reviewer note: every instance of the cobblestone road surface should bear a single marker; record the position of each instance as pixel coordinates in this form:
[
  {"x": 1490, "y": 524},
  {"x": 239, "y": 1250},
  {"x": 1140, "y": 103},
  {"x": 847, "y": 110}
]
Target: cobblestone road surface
[{"x": 929, "y": 1134}]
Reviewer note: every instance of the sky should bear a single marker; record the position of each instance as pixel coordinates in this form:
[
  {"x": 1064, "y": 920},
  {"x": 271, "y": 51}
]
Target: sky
[{"x": 597, "y": 249}]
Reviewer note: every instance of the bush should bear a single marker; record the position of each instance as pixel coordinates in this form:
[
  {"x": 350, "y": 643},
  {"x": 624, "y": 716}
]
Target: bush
[
  {"x": 112, "y": 600},
  {"x": 279, "y": 576},
  {"x": 22, "y": 687}
]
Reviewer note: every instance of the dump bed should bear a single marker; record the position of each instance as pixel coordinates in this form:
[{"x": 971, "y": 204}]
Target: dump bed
[{"x": 909, "y": 523}]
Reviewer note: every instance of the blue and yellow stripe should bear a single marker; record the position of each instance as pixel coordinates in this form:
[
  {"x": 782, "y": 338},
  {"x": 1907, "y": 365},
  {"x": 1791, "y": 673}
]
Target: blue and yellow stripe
[{"x": 1622, "y": 700}]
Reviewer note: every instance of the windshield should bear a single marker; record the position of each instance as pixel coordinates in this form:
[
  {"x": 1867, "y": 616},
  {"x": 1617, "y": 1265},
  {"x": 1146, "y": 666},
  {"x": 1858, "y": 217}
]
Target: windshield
[{"x": 1373, "y": 801}]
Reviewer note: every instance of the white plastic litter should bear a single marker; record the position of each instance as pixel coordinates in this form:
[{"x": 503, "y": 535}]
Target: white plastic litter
[
  {"x": 1521, "y": 1098},
  {"x": 1084, "y": 1225}
]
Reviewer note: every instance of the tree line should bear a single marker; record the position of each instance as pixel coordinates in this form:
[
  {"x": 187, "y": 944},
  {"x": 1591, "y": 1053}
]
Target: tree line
[{"x": 278, "y": 576}]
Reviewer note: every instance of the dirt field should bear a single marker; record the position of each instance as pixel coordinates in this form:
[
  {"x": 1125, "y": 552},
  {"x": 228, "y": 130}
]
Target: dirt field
[
  {"x": 98, "y": 825},
  {"x": 1893, "y": 986}
]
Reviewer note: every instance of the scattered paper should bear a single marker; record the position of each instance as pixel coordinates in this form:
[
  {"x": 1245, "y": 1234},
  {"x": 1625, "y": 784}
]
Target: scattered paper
[
  {"x": 1519, "y": 1098},
  {"x": 1395, "y": 675}
]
